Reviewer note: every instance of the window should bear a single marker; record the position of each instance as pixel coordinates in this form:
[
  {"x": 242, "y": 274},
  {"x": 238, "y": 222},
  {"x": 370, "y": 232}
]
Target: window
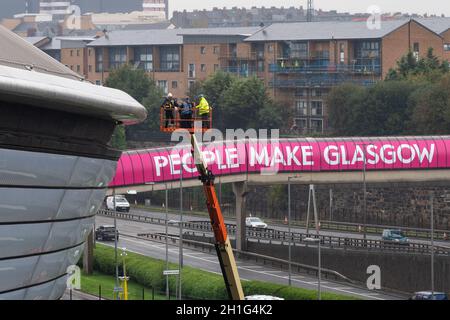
[
  {"x": 78, "y": 53},
  {"x": 203, "y": 50},
  {"x": 71, "y": 67},
  {"x": 270, "y": 48},
  {"x": 191, "y": 70},
  {"x": 216, "y": 50},
  {"x": 98, "y": 60},
  {"x": 298, "y": 49},
  {"x": 71, "y": 53},
  {"x": 416, "y": 50},
  {"x": 191, "y": 83},
  {"x": 117, "y": 57},
  {"x": 78, "y": 68},
  {"x": 170, "y": 58},
  {"x": 301, "y": 107},
  {"x": 203, "y": 67},
  {"x": 316, "y": 108},
  {"x": 163, "y": 85},
  {"x": 301, "y": 93},
  {"x": 98, "y": 82},
  {"x": 260, "y": 66},
  {"x": 89, "y": 68},
  {"x": 367, "y": 56},
  {"x": 216, "y": 67},
  {"x": 174, "y": 84},
  {"x": 89, "y": 52},
  {"x": 342, "y": 53},
  {"x": 316, "y": 125},
  {"x": 447, "y": 47},
  {"x": 316, "y": 93},
  {"x": 143, "y": 58},
  {"x": 301, "y": 123}
]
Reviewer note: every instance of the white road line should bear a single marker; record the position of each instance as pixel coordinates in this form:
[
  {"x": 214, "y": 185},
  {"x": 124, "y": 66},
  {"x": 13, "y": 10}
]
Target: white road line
[{"x": 345, "y": 290}]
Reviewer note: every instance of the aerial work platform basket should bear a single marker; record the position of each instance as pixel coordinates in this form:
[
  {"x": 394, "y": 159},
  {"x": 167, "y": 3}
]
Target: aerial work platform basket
[{"x": 192, "y": 124}]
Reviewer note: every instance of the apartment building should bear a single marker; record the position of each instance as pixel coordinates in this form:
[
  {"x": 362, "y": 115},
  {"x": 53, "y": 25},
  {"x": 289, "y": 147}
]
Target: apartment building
[
  {"x": 175, "y": 59},
  {"x": 299, "y": 62},
  {"x": 303, "y": 61}
]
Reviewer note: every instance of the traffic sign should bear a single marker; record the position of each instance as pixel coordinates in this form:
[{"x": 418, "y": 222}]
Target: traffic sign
[{"x": 171, "y": 272}]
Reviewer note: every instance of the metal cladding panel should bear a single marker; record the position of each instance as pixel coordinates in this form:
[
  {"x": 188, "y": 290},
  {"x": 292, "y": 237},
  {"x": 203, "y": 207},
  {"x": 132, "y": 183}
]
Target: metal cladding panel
[
  {"x": 33, "y": 271},
  {"x": 24, "y": 168},
  {"x": 30, "y": 239},
  {"x": 286, "y": 155},
  {"x": 20, "y": 205}
]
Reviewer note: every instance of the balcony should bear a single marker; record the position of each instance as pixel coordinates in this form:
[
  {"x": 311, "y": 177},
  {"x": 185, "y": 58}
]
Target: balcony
[
  {"x": 254, "y": 55},
  {"x": 326, "y": 68},
  {"x": 319, "y": 82},
  {"x": 239, "y": 71}
]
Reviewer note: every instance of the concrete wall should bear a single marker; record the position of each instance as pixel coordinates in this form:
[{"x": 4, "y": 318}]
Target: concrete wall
[{"x": 402, "y": 272}]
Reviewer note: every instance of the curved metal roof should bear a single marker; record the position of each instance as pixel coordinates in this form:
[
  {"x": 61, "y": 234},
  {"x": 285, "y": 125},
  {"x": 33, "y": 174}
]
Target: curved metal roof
[{"x": 29, "y": 76}]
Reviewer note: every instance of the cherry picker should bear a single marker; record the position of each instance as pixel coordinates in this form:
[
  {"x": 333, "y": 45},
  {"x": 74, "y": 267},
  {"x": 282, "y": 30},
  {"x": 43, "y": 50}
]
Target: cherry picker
[{"x": 222, "y": 242}]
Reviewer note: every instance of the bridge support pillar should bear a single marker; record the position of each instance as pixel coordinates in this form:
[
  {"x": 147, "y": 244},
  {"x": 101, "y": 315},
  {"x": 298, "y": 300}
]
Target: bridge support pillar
[
  {"x": 240, "y": 193},
  {"x": 88, "y": 255}
]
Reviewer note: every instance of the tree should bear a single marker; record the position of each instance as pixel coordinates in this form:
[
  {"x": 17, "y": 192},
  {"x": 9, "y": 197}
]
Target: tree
[
  {"x": 409, "y": 67},
  {"x": 135, "y": 82},
  {"x": 142, "y": 88}
]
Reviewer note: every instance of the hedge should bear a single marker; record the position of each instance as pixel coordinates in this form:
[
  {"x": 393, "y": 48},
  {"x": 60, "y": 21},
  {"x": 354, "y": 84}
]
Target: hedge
[{"x": 196, "y": 284}]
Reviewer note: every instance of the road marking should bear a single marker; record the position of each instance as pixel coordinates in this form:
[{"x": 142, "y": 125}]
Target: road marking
[{"x": 341, "y": 289}]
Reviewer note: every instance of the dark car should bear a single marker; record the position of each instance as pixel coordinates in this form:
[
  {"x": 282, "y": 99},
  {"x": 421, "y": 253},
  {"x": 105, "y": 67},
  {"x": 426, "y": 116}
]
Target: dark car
[
  {"x": 106, "y": 233},
  {"x": 427, "y": 295}
]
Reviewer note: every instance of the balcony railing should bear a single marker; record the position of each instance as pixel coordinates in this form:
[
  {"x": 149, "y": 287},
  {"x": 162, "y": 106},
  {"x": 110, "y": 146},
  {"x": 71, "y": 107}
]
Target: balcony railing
[
  {"x": 357, "y": 69},
  {"x": 242, "y": 72},
  {"x": 323, "y": 82}
]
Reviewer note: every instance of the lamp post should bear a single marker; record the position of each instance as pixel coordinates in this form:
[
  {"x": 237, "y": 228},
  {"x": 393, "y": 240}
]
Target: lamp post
[
  {"x": 116, "y": 289},
  {"x": 432, "y": 243},
  {"x": 289, "y": 229},
  {"x": 311, "y": 239},
  {"x": 125, "y": 278},
  {"x": 180, "y": 258},
  {"x": 365, "y": 194},
  {"x": 167, "y": 241}
]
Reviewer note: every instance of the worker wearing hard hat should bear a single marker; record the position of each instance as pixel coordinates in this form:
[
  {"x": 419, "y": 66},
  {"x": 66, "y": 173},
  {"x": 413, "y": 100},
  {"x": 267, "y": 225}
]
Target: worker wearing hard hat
[
  {"x": 169, "y": 104},
  {"x": 203, "y": 110}
]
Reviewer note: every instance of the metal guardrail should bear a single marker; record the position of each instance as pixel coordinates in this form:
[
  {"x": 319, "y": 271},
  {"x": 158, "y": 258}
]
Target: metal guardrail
[
  {"x": 378, "y": 229},
  {"x": 272, "y": 235},
  {"x": 257, "y": 258}
]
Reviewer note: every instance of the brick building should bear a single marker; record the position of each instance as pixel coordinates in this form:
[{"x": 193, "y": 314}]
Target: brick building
[{"x": 299, "y": 62}]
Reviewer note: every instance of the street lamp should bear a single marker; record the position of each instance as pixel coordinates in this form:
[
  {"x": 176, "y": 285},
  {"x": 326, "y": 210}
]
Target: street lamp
[
  {"x": 310, "y": 239},
  {"x": 432, "y": 243},
  {"x": 124, "y": 278},
  {"x": 289, "y": 228},
  {"x": 180, "y": 257},
  {"x": 116, "y": 289},
  {"x": 365, "y": 193}
]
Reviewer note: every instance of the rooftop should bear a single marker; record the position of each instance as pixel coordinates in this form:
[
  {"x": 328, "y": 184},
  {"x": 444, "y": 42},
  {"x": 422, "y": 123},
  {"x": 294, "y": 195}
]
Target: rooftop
[
  {"x": 324, "y": 31},
  {"x": 438, "y": 25},
  {"x": 139, "y": 38},
  {"x": 19, "y": 53}
]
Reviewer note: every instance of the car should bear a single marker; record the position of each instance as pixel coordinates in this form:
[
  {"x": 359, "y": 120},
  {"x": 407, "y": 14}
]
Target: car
[
  {"x": 394, "y": 236},
  {"x": 427, "y": 295},
  {"x": 254, "y": 222},
  {"x": 121, "y": 203},
  {"x": 106, "y": 233},
  {"x": 262, "y": 297}
]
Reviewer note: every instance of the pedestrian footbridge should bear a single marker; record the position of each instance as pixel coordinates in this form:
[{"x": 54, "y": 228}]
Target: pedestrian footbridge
[
  {"x": 310, "y": 161},
  {"x": 313, "y": 161}
]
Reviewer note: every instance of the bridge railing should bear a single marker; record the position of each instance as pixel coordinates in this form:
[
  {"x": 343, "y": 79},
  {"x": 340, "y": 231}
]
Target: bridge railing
[{"x": 272, "y": 235}]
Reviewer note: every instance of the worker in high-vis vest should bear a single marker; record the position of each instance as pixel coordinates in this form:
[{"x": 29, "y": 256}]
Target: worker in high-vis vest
[{"x": 203, "y": 110}]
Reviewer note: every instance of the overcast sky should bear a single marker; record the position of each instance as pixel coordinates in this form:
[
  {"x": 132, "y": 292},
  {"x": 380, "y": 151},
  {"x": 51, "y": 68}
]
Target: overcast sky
[{"x": 408, "y": 6}]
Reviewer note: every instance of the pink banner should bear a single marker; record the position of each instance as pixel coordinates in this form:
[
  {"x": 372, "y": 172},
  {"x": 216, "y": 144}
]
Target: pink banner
[{"x": 301, "y": 155}]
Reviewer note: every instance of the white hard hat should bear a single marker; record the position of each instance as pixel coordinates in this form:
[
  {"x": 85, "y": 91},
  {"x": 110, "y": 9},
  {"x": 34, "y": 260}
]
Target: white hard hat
[{"x": 169, "y": 95}]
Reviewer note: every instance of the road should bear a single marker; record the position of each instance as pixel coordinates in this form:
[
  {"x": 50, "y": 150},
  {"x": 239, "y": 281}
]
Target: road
[
  {"x": 342, "y": 234},
  {"x": 209, "y": 262}
]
